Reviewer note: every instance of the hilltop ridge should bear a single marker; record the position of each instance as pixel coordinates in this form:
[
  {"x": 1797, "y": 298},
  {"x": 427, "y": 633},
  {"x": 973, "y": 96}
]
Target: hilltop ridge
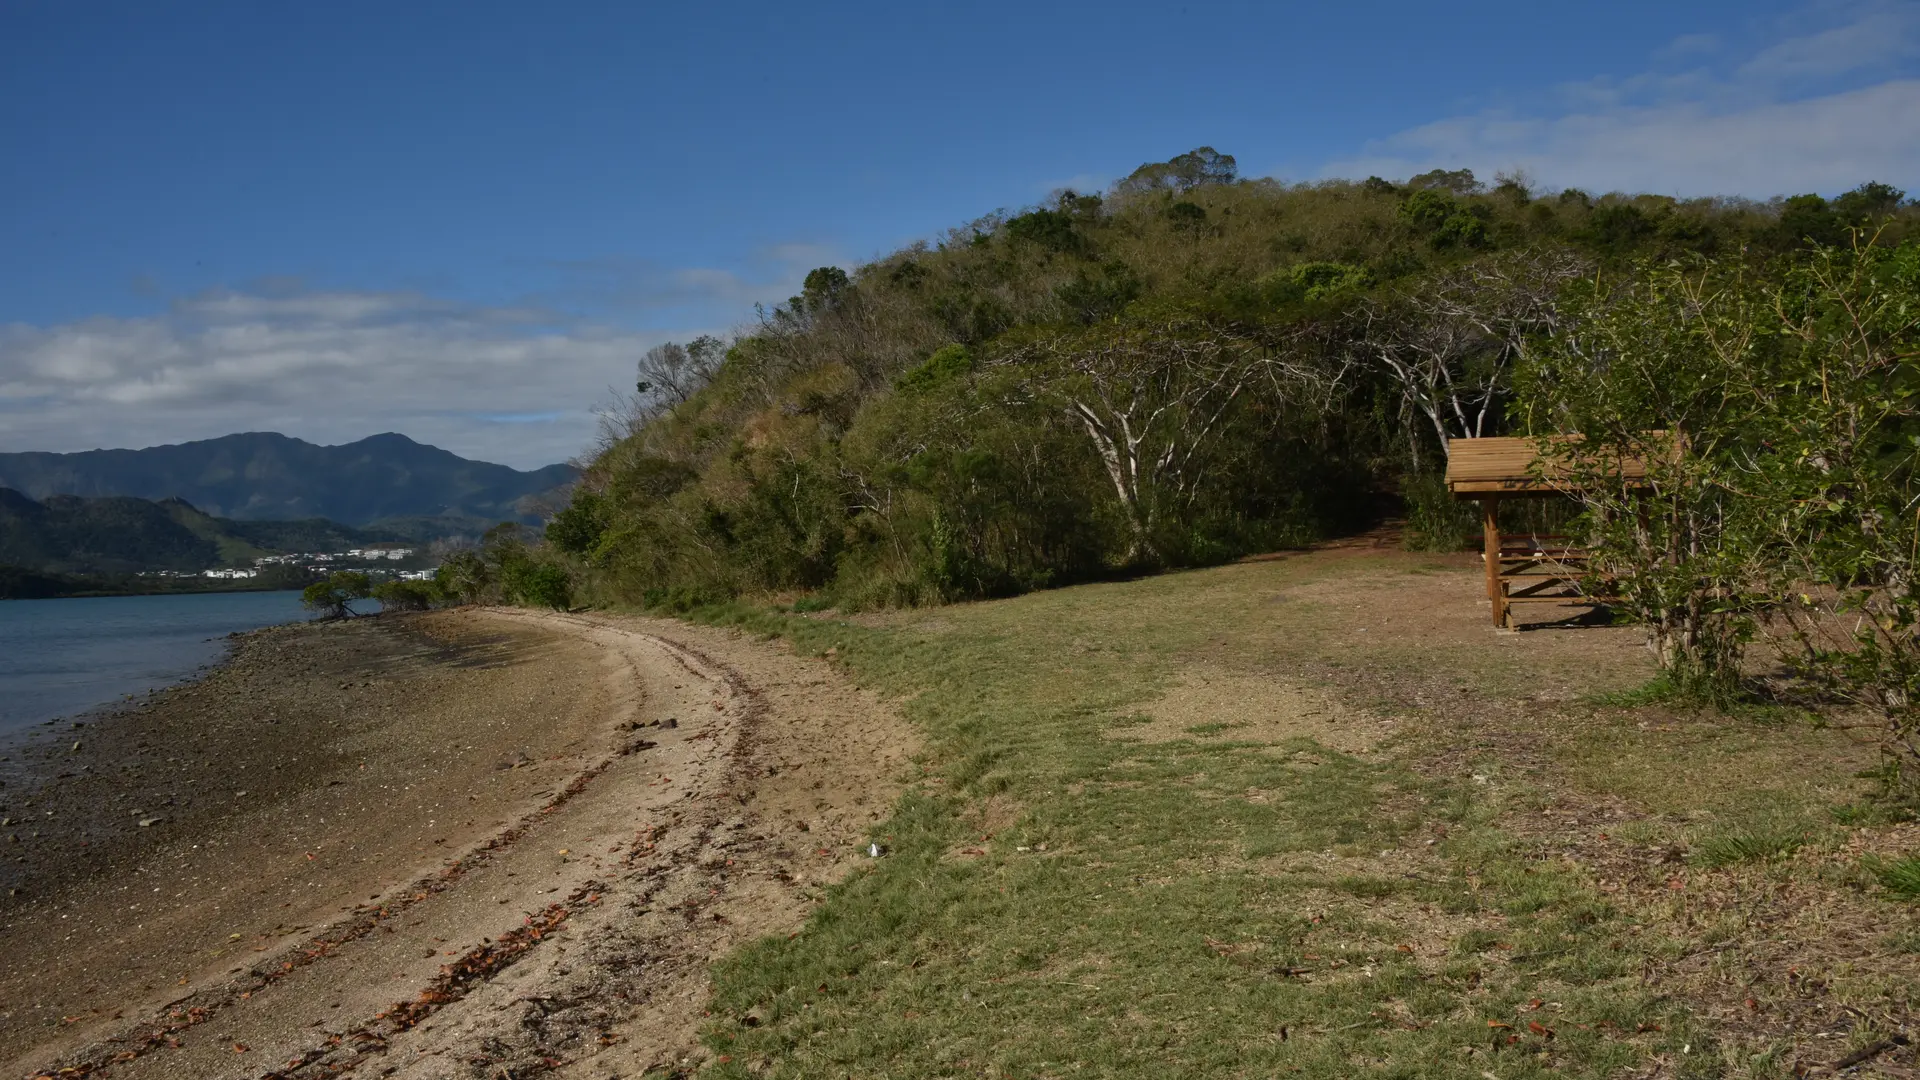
[
  {"x": 68, "y": 534},
  {"x": 263, "y": 475}
]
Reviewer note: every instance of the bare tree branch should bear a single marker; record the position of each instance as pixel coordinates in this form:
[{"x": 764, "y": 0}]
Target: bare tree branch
[
  {"x": 1154, "y": 401},
  {"x": 1451, "y": 343}
]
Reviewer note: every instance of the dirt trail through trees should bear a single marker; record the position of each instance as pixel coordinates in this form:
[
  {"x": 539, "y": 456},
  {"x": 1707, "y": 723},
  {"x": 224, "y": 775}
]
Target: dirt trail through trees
[{"x": 733, "y": 781}]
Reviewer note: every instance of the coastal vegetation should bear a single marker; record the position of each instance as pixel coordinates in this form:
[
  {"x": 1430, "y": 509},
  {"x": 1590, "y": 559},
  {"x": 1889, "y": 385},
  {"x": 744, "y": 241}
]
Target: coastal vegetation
[
  {"x": 332, "y": 597},
  {"x": 1192, "y": 367},
  {"x": 1185, "y": 369},
  {"x": 506, "y": 567},
  {"x": 1552, "y": 864}
]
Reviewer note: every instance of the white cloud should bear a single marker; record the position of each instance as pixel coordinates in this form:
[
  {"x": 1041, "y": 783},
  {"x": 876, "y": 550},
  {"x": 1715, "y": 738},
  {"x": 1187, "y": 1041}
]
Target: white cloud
[
  {"x": 700, "y": 294},
  {"x": 1872, "y": 38},
  {"x": 1691, "y": 45},
  {"x": 1748, "y": 127},
  {"x": 513, "y": 385}
]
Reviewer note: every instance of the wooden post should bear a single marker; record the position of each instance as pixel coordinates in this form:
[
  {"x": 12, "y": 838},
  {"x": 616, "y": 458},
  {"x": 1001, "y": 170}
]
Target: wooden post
[{"x": 1490, "y": 529}]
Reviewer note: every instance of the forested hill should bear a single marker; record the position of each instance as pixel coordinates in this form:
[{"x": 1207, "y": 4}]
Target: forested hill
[
  {"x": 1184, "y": 368},
  {"x": 66, "y": 534},
  {"x": 267, "y": 476}
]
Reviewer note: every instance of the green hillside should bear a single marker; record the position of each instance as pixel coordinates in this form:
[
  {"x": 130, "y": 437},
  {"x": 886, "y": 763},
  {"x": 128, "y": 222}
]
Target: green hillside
[
  {"x": 1186, "y": 368},
  {"x": 19, "y": 584},
  {"x": 66, "y": 534}
]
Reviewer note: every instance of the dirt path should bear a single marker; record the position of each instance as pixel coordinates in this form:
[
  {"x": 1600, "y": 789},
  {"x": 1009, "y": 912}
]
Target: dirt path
[{"x": 725, "y": 782}]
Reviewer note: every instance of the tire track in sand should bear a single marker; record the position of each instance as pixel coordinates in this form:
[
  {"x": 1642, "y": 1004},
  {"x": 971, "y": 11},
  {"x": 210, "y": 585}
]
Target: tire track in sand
[{"x": 737, "y": 778}]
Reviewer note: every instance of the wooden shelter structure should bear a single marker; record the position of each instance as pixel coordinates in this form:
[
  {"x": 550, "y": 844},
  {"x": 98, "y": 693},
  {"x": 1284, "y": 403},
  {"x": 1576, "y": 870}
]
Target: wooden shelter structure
[{"x": 1521, "y": 568}]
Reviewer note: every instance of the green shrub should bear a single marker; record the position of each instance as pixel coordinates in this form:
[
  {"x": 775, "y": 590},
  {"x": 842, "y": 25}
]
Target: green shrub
[
  {"x": 1313, "y": 281},
  {"x": 463, "y": 577},
  {"x": 577, "y": 529},
  {"x": 1436, "y": 521},
  {"x": 681, "y": 599},
  {"x": 406, "y": 595},
  {"x": 539, "y": 584},
  {"x": 333, "y": 597},
  {"x": 947, "y": 363}
]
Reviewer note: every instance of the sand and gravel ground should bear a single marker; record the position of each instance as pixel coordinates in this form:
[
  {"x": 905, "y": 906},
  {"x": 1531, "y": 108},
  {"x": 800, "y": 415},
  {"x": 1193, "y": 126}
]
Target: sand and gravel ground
[{"x": 438, "y": 846}]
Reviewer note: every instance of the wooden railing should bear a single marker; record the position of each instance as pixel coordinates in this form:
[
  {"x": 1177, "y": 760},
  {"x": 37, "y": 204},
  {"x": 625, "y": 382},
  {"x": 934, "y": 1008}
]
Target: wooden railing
[{"x": 1533, "y": 568}]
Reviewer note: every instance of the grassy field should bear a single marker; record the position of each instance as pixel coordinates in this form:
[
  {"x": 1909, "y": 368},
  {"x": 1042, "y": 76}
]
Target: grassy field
[{"x": 1312, "y": 816}]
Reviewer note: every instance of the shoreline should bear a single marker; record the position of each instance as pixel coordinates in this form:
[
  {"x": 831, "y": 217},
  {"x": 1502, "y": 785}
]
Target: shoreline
[
  {"x": 80, "y": 765},
  {"x": 105, "y": 590},
  {"x": 15, "y": 740},
  {"x": 88, "y": 660},
  {"x": 360, "y": 807}
]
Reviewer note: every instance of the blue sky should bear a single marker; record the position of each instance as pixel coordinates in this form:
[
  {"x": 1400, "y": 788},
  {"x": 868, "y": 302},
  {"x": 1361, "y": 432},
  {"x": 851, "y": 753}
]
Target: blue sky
[{"x": 464, "y": 221}]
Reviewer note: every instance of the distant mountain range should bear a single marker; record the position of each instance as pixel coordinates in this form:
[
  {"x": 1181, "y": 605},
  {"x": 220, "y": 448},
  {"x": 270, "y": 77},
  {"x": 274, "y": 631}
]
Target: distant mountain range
[
  {"x": 383, "y": 480},
  {"x": 66, "y": 534}
]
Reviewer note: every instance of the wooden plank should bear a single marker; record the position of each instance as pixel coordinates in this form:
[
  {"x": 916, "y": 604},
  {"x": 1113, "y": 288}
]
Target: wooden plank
[
  {"x": 1533, "y": 586},
  {"x": 1506, "y": 465},
  {"x": 1517, "y": 565},
  {"x": 1521, "y": 568},
  {"x": 1490, "y": 534}
]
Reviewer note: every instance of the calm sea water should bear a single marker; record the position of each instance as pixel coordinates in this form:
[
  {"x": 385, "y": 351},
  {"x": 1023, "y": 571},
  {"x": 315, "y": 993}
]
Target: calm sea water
[{"x": 61, "y": 657}]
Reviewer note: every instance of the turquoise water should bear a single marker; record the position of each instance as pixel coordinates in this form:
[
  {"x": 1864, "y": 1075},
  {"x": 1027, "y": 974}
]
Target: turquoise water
[{"x": 62, "y": 657}]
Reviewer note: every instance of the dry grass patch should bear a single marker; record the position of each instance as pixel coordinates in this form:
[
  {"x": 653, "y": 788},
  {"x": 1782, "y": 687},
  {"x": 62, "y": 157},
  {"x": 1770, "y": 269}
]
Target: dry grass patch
[{"x": 1214, "y": 703}]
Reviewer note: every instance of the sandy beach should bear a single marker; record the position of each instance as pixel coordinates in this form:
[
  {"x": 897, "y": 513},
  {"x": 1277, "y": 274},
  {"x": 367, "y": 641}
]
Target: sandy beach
[{"x": 445, "y": 845}]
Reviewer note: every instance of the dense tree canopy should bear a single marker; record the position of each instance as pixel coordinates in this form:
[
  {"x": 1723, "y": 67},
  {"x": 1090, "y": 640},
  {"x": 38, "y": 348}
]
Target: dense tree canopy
[{"x": 1183, "y": 369}]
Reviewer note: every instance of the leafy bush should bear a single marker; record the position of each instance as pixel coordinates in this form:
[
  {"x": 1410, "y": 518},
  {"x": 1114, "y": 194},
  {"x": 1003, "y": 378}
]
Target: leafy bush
[
  {"x": 578, "y": 528},
  {"x": 1048, "y": 229},
  {"x": 1647, "y": 372},
  {"x": 333, "y": 597},
  {"x": 1436, "y": 521},
  {"x": 406, "y": 595},
  {"x": 944, "y": 366},
  {"x": 1099, "y": 292},
  {"x": 463, "y": 577},
  {"x": 539, "y": 584},
  {"x": 1316, "y": 281},
  {"x": 1775, "y": 414},
  {"x": 506, "y": 568}
]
